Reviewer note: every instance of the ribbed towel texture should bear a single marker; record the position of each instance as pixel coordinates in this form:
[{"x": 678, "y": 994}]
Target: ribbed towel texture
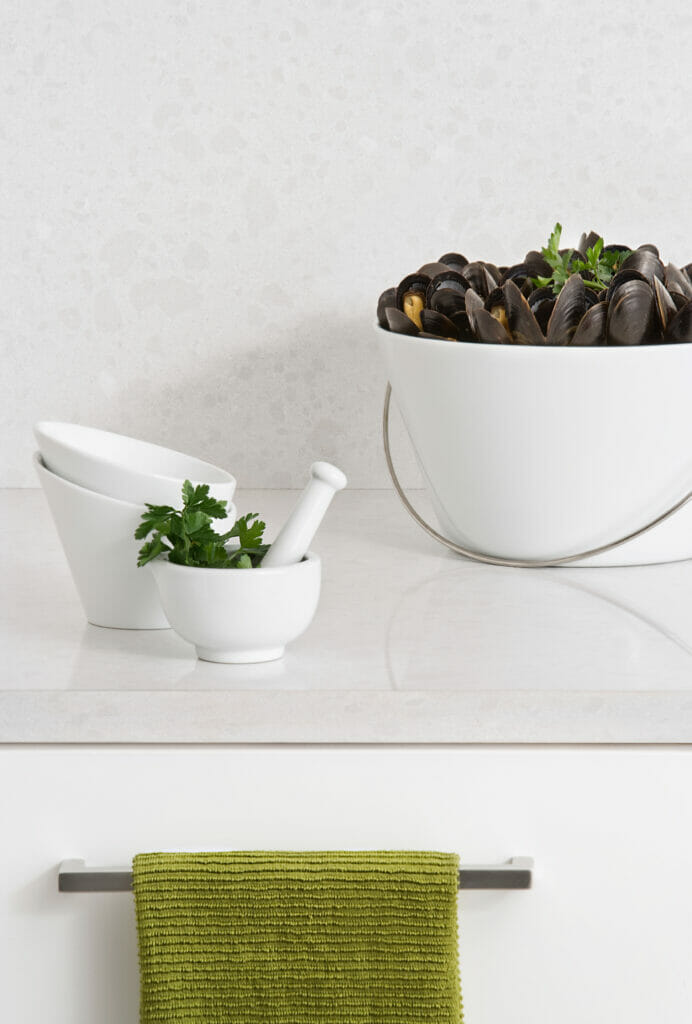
[{"x": 298, "y": 938}]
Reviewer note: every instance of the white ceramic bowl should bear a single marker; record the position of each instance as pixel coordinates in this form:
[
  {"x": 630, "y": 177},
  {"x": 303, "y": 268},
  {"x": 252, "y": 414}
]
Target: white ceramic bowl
[
  {"x": 239, "y": 616},
  {"x": 540, "y": 452},
  {"x": 123, "y": 467},
  {"x": 97, "y": 535}
]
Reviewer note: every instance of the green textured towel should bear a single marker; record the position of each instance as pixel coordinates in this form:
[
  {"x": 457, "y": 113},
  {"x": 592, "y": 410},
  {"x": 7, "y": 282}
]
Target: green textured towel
[{"x": 298, "y": 938}]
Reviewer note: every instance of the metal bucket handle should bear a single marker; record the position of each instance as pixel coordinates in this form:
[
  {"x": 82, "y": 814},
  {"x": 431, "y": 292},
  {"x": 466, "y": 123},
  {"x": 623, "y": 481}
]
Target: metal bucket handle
[{"x": 516, "y": 563}]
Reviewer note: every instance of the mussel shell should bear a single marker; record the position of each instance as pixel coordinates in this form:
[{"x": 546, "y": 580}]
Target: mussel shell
[
  {"x": 678, "y": 298},
  {"x": 473, "y": 303},
  {"x": 495, "y": 305},
  {"x": 387, "y": 298},
  {"x": 631, "y": 315},
  {"x": 447, "y": 301},
  {"x": 521, "y": 322},
  {"x": 541, "y": 303},
  {"x": 454, "y": 260},
  {"x": 411, "y": 283},
  {"x": 620, "y": 278},
  {"x": 567, "y": 312},
  {"x": 496, "y": 298},
  {"x": 480, "y": 278},
  {"x": 488, "y": 329},
  {"x": 646, "y": 262},
  {"x": 519, "y": 273},
  {"x": 450, "y": 279},
  {"x": 438, "y": 325},
  {"x": 665, "y": 307},
  {"x": 587, "y": 241},
  {"x": 411, "y": 293},
  {"x": 616, "y": 248},
  {"x": 574, "y": 254},
  {"x": 677, "y": 280},
  {"x": 591, "y": 297},
  {"x": 680, "y": 327},
  {"x": 461, "y": 322},
  {"x": 432, "y": 269},
  {"x": 539, "y": 294},
  {"x": 592, "y": 326},
  {"x": 536, "y": 265},
  {"x": 399, "y": 322},
  {"x": 649, "y": 247}
]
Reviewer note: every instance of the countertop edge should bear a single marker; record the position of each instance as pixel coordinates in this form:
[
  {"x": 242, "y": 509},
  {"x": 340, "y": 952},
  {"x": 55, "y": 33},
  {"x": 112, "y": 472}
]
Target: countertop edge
[{"x": 344, "y": 717}]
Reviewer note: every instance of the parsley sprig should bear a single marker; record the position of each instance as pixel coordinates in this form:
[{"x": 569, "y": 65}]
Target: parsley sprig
[
  {"x": 187, "y": 537},
  {"x": 597, "y": 269}
]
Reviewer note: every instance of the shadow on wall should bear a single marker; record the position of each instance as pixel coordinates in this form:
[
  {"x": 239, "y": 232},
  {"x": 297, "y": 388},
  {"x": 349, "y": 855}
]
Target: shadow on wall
[{"x": 266, "y": 413}]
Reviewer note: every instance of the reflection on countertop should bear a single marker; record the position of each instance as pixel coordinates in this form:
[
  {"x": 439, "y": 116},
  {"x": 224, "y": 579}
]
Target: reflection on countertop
[{"x": 406, "y": 637}]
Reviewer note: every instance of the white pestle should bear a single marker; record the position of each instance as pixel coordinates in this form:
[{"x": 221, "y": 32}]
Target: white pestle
[{"x": 296, "y": 534}]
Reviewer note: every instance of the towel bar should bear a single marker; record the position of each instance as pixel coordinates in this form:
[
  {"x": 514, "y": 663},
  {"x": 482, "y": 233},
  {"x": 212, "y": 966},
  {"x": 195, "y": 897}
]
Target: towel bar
[{"x": 75, "y": 876}]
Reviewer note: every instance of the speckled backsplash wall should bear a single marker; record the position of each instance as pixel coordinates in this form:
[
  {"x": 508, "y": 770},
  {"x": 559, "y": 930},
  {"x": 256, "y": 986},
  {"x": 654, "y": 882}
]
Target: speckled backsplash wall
[{"x": 201, "y": 201}]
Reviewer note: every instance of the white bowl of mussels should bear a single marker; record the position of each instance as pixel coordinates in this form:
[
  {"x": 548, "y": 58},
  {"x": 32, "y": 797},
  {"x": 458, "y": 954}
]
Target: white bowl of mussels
[{"x": 548, "y": 402}]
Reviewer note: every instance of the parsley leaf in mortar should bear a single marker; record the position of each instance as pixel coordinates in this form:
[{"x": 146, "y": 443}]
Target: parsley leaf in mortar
[{"x": 186, "y": 536}]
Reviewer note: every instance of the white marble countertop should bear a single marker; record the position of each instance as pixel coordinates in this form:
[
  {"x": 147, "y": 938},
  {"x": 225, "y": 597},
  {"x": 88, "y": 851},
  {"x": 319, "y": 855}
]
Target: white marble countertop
[{"x": 410, "y": 645}]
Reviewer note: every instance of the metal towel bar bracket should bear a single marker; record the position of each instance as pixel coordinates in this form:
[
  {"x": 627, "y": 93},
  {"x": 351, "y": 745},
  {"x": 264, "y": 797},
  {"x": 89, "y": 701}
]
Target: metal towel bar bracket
[{"x": 76, "y": 876}]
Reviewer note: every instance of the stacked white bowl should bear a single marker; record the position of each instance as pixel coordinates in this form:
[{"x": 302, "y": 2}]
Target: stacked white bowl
[{"x": 97, "y": 483}]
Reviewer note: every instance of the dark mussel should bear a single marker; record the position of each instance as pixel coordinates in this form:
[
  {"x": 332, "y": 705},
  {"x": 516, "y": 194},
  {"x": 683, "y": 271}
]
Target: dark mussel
[
  {"x": 567, "y": 312},
  {"x": 536, "y": 265},
  {"x": 676, "y": 280},
  {"x": 591, "y": 297},
  {"x": 461, "y": 322},
  {"x": 438, "y": 324},
  {"x": 592, "y": 326},
  {"x": 387, "y": 298},
  {"x": 410, "y": 296},
  {"x": 631, "y": 315},
  {"x": 574, "y": 255},
  {"x": 473, "y": 303},
  {"x": 480, "y": 278},
  {"x": 447, "y": 301},
  {"x": 541, "y": 303},
  {"x": 454, "y": 260},
  {"x": 626, "y": 249},
  {"x": 451, "y": 279},
  {"x": 432, "y": 269},
  {"x": 665, "y": 307},
  {"x": 521, "y": 323},
  {"x": 495, "y": 305},
  {"x": 646, "y": 262},
  {"x": 680, "y": 327},
  {"x": 620, "y": 278},
  {"x": 399, "y": 322},
  {"x": 651, "y": 248},
  {"x": 488, "y": 329},
  {"x": 521, "y": 276},
  {"x": 588, "y": 241}
]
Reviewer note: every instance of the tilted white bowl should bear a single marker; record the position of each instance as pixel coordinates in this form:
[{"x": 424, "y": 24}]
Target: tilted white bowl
[
  {"x": 534, "y": 452},
  {"x": 97, "y": 535},
  {"x": 123, "y": 467},
  {"x": 239, "y": 616}
]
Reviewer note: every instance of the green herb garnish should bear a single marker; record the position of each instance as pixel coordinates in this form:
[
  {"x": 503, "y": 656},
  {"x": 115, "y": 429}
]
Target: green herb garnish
[
  {"x": 597, "y": 270},
  {"x": 187, "y": 537}
]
